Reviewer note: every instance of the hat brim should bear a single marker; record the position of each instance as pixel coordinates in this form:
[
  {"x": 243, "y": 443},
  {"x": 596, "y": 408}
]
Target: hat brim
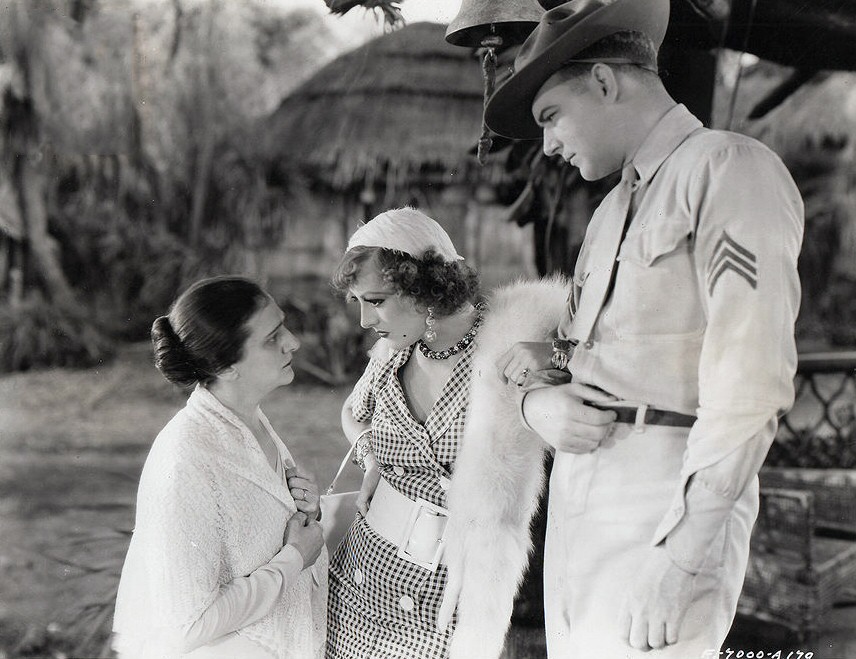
[{"x": 509, "y": 109}]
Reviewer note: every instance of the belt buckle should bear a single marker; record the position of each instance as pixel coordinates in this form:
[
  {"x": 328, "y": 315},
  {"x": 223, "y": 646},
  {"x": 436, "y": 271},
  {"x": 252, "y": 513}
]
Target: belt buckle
[{"x": 416, "y": 511}]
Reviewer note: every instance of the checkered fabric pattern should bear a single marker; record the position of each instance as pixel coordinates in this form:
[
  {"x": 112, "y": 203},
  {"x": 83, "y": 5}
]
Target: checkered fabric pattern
[
  {"x": 424, "y": 451},
  {"x": 381, "y": 605}
]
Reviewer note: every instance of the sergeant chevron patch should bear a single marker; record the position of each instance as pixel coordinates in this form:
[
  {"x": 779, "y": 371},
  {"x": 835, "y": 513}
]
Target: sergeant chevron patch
[{"x": 731, "y": 255}]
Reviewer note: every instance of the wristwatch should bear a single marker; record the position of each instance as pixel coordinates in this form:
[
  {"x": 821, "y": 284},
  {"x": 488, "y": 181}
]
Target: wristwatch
[{"x": 562, "y": 351}]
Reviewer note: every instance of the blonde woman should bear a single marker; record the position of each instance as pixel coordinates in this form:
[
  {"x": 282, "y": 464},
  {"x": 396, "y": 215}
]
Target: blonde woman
[{"x": 448, "y": 464}]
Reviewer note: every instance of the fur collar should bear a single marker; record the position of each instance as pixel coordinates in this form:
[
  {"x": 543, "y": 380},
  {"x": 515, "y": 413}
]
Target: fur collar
[{"x": 498, "y": 476}]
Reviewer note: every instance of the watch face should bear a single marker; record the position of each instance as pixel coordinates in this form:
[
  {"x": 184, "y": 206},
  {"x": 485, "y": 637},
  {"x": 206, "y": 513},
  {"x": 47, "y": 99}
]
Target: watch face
[{"x": 562, "y": 344}]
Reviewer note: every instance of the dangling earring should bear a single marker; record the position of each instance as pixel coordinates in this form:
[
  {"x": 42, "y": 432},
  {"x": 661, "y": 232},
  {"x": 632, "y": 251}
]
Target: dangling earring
[{"x": 430, "y": 321}]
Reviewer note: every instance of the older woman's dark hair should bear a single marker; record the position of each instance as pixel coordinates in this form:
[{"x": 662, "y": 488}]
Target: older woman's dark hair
[
  {"x": 429, "y": 280},
  {"x": 205, "y": 330}
]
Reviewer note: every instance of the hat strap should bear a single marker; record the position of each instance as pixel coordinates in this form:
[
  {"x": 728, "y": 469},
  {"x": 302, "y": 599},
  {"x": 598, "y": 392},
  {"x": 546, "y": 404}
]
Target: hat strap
[{"x": 610, "y": 60}]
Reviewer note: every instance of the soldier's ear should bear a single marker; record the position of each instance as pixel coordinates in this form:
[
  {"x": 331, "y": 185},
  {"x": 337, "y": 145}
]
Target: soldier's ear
[{"x": 603, "y": 82}]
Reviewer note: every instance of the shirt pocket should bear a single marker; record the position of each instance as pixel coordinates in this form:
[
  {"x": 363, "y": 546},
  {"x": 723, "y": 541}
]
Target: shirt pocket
[
  {"x": 645, "y": 247},
  {"x": 656, "y": 289}
]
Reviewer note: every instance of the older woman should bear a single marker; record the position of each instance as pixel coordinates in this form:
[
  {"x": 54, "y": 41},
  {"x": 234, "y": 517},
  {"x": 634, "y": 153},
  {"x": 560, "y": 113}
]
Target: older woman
[{"x": 226, "y": 559}]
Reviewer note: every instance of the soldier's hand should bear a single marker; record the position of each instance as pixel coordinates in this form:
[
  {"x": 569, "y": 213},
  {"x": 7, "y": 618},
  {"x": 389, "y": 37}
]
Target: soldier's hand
[
  {"x": 560, "y": 415},
  {"x": 656, "y": 603}
]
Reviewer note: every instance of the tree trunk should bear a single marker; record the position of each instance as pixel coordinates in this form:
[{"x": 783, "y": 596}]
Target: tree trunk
[
  {"x": 44, "y": 251},
  {"x": 16, "y": 275},
  {"x": 204, "y": 163},
  {"x": 23, "y": 143},
  {"x": 208, "y": 129}
]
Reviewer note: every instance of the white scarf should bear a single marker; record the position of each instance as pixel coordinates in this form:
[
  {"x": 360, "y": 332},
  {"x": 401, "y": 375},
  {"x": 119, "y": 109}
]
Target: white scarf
[{"x": 406, "y": 230}]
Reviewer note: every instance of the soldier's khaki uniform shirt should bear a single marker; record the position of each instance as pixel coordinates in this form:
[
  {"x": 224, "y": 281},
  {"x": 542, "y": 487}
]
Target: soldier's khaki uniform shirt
[
  {"x": 701, "y": 318},
  {"x": 700, "y": 321}
]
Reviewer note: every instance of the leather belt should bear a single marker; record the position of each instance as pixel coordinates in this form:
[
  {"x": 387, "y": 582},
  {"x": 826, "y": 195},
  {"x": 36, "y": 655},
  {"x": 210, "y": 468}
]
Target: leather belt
[
  {"x": 416, "y": 528},
  {"x": 641, "y": 415}
]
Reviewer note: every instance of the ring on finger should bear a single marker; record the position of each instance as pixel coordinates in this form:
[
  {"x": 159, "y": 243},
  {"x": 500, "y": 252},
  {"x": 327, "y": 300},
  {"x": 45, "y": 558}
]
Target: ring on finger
[{"x": 523, "y": 375}]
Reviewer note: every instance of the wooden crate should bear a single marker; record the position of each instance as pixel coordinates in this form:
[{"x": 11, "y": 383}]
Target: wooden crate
[{"x": 794, "y": 576}]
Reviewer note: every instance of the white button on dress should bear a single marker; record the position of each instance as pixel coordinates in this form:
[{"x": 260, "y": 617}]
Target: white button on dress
[
  {"x": 406, "y": 603},
  {"x": 398, "y": 470}
]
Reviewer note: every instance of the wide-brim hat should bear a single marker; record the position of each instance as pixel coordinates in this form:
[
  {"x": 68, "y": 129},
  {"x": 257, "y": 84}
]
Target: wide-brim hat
[{"x": 562, "y": 33}]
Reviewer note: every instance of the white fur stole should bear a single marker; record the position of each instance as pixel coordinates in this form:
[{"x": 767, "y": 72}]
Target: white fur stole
[{"x": 497, "y": 477}]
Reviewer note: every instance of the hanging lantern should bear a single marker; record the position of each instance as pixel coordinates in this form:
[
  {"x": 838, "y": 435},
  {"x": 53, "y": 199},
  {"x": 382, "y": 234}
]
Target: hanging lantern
[{"x": 489, "y": 24}]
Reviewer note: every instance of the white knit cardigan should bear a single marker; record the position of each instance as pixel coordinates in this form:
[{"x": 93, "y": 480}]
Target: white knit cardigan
[
  {"x": 210, "y": 509},
  {"x": 498, "y": 475}
]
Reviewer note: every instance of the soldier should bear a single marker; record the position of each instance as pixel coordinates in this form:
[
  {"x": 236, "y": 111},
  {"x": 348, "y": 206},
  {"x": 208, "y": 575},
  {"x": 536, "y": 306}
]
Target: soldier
[{"x": 678, "y": 336}]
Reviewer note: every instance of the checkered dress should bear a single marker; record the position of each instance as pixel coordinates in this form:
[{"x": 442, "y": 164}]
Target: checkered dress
[{"x": 381, "y": 605}]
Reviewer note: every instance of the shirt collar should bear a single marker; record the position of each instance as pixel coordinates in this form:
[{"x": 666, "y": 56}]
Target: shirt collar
[{"x": 672, "y": 129}]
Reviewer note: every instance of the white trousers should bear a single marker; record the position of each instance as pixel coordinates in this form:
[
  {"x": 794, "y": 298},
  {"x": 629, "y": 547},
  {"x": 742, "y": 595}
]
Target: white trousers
[{"x": 604, "y": 508}]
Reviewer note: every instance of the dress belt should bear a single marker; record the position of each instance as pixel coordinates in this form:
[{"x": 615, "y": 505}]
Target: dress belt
[
  {"x": 416, "y": 528},
  {"x": 641, "y": 415}
]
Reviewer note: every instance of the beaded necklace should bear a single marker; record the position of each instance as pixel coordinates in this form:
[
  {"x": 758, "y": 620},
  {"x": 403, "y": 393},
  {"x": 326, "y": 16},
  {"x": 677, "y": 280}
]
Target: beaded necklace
[{"x": 466, "y": 340}]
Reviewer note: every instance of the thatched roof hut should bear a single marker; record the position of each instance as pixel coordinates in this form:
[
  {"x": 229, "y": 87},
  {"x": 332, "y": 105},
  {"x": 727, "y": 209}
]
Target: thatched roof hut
[
  {"x": 817, "y": 119},
  {"x": 820, "y": 117},
  {"x": 814, "y": 131},
  {"x": 404, "y": 105}
]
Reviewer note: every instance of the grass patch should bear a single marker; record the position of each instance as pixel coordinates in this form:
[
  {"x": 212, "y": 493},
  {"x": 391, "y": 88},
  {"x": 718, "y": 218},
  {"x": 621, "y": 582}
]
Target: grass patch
[{"x": 72, "y": 445}]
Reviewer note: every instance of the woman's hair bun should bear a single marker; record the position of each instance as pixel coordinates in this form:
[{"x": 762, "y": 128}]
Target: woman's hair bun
[
  {"x": 172, "y": 359},
  {"x": 205, "y": 331}
]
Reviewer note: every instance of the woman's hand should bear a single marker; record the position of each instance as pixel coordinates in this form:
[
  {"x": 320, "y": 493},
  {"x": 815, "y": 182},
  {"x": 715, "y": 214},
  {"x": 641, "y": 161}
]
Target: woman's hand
[
  {"x": 370, "y": 481},
  {"x": 525, "y": 357},
  {"x": 305, "y": 536},
  {"x": 304, "y": 490}
]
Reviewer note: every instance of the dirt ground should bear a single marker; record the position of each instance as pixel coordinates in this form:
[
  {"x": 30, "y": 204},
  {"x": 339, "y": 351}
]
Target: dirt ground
[{"x": 72, "y": 444}]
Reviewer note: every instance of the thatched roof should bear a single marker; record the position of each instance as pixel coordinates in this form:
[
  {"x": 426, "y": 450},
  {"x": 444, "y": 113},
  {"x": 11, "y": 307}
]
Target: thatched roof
[
  {"x": 818, "y": 116},
  {"x": 818, "y": 119},
  {"x": 403, "y": 103}
]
